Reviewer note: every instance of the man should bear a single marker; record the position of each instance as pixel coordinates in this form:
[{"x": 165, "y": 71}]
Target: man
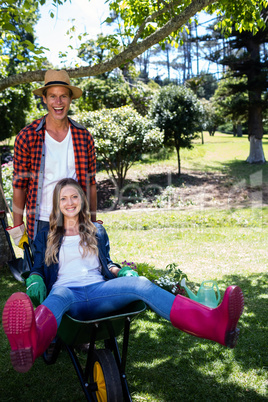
[{"x": 49, "y": 149}]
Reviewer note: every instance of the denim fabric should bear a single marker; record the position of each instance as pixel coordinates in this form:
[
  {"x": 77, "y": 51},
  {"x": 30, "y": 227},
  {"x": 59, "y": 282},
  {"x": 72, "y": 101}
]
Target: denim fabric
[{"x": 99, "y": 299}]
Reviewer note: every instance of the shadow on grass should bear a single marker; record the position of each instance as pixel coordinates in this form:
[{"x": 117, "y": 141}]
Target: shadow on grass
[
  {"x": 253, "y": 174},
  {"x": 163, "y": 364}
]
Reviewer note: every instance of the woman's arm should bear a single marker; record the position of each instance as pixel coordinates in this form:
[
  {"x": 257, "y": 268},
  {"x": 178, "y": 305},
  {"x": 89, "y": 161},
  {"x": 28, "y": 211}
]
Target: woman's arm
[{"x": 114, "y": 269}]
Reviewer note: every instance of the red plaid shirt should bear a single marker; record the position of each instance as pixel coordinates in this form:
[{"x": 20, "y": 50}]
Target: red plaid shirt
[{"x": 27, "y": 162}]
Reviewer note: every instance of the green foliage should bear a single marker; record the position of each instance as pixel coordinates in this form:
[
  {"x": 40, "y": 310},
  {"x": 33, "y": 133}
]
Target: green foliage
[
  {"x": 100, "y": 94},
  {"x": 231, "y": 99},
  {"x": 137, "y": 19},
  {"x": 7, "y": 176},
  {"x": 171, "y": 280},
  {"x": 212, "y": 116},
  {"x": 97, "y": 51},
  {"x": 247, "y": 15},
  {"x": 114, "y": 92},
  {"x": 147, "y": 270},
  {"x": 121, "y": 136},
  {"x": 14, "y": 104},
  {"x": 17, "y": 20},
  {"x": 18, "y": 54},
  {"x": 177, "y": 111}
]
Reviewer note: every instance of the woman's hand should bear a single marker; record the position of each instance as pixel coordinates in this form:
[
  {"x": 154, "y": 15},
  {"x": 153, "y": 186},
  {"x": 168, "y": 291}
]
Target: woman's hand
[
  {"x": 36, "y": 289},
  {"x": 114, "y": 270},
  {"x": 127, "y": 271}
]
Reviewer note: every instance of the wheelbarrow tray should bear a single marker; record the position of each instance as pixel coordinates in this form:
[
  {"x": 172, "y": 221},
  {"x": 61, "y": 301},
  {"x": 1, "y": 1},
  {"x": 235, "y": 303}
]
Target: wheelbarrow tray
[{"x": 75, "y": 332}]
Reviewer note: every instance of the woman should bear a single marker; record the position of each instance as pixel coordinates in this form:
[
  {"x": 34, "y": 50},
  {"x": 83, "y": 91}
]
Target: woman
[{"x": 73, "y": 273}]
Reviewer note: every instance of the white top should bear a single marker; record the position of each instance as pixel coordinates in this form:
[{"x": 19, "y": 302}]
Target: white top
[
  {"x": 74, "y": 270},
  {"x": 59, "y": 163}
]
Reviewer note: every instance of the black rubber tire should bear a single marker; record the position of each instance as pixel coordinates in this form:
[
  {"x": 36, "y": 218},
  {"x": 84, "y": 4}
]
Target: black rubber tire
[{"x": 103, "y": 365}]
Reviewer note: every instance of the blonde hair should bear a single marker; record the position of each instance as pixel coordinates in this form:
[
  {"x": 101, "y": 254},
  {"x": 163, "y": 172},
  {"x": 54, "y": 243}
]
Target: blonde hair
[{"x": 87, "y": 231}]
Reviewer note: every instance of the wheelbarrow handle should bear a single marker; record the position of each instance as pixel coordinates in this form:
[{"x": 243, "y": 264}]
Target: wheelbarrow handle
[{"x": 7, "y": 234}]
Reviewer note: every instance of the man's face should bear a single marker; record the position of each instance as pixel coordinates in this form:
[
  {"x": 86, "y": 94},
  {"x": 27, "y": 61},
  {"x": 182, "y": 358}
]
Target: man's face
[{"x": 58, "y": 102}]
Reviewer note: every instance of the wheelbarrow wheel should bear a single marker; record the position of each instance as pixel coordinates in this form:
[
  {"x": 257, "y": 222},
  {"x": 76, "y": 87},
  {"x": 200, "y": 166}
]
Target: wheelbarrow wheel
[{"x": 105, "y": 375}]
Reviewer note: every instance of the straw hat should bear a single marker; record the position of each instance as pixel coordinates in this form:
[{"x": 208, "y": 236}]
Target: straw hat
[{"x": 58, "y": 78}]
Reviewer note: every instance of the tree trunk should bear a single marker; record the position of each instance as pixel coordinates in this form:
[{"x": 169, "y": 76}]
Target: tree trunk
[
  {"x": 179, "y": 160},
  {"x": 239, "y": 130},
  {"x": 255, "y": 125},
  {"x": 256, "y": 154},
  {"x": 5, "y": 254}
]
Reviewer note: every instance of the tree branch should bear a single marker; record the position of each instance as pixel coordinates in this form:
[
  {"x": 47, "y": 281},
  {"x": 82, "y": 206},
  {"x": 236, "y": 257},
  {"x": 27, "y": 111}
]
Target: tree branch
[
  {"x": 130, "y": 53},
  {"x": 153, "y": 16}
]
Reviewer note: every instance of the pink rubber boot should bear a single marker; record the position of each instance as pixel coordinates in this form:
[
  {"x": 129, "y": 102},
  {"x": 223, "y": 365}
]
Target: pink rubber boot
[
  {"x": 29, "y": 332},
  {"x": 217, "y": 324}
]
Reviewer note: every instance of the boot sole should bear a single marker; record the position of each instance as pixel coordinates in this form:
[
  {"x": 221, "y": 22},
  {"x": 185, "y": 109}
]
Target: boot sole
[
  {"x": 235, "y": 310},
  {"x": 17, "y": 322}
]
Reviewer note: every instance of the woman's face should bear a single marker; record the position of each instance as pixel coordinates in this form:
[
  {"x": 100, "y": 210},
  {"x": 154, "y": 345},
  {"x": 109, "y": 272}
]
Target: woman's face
[{"x": 70, "y": 202}]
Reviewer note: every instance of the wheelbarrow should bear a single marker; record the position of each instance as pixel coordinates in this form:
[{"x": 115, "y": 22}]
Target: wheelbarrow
[{"x": 103, "y": 377}]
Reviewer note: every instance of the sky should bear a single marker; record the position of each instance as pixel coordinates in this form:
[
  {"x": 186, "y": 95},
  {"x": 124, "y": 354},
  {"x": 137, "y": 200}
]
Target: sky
[{"x": 51, "y": 33}]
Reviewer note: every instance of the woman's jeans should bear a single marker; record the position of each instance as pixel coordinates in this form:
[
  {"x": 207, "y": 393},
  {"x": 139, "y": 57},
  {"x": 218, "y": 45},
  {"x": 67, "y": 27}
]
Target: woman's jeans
[{"x": 97, "y": 300}]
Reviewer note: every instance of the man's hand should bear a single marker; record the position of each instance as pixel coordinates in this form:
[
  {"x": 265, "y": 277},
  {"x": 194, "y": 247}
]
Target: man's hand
[{"x": 18, "y": 234}]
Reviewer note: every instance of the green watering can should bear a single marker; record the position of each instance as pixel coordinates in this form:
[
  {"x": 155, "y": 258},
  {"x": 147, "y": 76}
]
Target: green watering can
[{"x": 208, "y": 293}]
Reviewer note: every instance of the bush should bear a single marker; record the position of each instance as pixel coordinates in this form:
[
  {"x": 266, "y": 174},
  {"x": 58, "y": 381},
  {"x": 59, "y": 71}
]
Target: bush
[{"x": 121, "y": 136}]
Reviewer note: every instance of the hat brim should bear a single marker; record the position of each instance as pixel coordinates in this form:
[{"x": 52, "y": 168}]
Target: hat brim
[{"x": 77, "y": 92}]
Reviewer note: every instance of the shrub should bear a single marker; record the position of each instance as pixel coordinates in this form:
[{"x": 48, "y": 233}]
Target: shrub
[{"x": 121, "y": 136}]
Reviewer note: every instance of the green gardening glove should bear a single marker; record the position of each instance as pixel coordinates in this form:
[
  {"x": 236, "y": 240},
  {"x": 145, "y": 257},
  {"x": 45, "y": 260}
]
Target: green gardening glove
[
  {"x": 36, "y": 289},
  {"x": 126, "y": 271}
]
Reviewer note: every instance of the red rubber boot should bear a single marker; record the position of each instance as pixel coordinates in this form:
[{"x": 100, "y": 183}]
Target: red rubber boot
[
  {"x": 217, "y": 324},
  {"x": 29, "y": 332}
]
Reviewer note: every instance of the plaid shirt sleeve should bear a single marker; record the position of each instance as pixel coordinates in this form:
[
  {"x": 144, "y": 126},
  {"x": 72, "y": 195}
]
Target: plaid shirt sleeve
[
  {"x": 21, "y": 162},
  {"x": 26, "y": 163}
]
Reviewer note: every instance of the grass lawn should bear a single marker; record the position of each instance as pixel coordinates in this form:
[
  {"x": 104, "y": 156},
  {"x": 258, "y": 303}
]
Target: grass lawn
[{"x": 227, "y": 245}]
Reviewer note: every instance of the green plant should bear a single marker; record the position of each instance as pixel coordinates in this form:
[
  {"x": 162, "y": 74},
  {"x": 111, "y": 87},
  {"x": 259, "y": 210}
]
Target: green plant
[
  {"x": 147, "y": 270},
  {"x": 7, "y": 174},
  {"x": 171, "y": 280}
]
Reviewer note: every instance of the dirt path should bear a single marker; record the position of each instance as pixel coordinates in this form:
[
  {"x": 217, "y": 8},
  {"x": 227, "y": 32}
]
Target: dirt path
[{"x": 163, "y": 188}]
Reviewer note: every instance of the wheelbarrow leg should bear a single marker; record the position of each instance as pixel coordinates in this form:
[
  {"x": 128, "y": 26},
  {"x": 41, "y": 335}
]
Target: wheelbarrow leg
[
  {"x": 79, "y": 372},
  {"x": 121, "y": 361}
]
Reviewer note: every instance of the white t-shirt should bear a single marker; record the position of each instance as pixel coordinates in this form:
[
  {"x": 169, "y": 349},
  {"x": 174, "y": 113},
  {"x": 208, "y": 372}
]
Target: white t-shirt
[
  {"x": 59, "y": 163},
  {"x": 74, "y": 270}
]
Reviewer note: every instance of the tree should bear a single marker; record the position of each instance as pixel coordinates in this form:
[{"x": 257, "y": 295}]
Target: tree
[
  {"x": 146, "y": 23},
  {"x": 231, "y": 101},
  {"x": 115, "y": 92},
  {"x": 100, "y": 94},
  {"x": 177, "y": 111},
  {"x": 121, "y": 136},
  {"x": 247, "y": 60},
  {"x": 15, "y": 102}
]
